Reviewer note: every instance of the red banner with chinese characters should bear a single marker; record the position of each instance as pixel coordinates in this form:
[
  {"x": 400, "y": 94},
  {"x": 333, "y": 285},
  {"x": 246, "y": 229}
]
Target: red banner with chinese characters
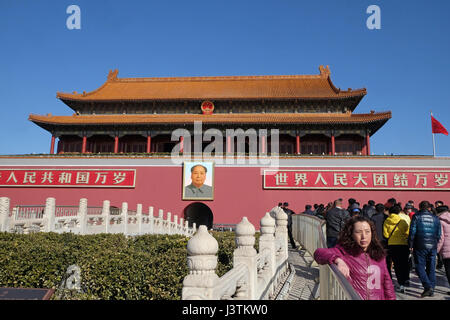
[
  {"x": 96, "y": 178},
  {"x": 357, "y": 179}
]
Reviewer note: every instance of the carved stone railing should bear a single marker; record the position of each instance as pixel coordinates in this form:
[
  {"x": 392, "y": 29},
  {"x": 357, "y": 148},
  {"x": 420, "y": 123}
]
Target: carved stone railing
[
  {"x": 82, "y": 219},
  {"x": 254, "y": 276}
]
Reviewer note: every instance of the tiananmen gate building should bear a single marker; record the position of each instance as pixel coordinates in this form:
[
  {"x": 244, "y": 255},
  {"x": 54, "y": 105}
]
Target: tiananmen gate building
[{"x": 118, "y": 145}]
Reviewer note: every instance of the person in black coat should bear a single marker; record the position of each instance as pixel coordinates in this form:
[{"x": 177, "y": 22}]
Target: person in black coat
[
  {"x": 370, "y": 210},
  {"x": 336, "y": 219},
  {"x": 378, "y": 219},
  {"x": 289, "y": 213}
]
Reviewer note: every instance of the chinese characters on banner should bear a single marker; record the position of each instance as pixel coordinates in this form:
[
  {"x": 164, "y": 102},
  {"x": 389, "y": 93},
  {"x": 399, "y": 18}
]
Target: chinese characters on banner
[
  {"x": 358, "y": 179},
  {"x": 97, "y": 178}
]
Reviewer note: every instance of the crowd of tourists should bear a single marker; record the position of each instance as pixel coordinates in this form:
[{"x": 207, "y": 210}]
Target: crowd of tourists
[{"x": 367, "y": 242}]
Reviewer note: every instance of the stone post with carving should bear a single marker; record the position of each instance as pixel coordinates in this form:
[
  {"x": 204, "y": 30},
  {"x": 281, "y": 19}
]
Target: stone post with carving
[
  {"x": 194, "y": 227},
  {"x": 82, "y": 213},
  {"x": 168, "y": 223},
  {"x": 186, "y": 228},
  {"x": 49, "y": 214},
  {"x": 281, "y": 236},
  {"x": 124, "y": 215},
  {"x": 175, "y": 224},
  {"x": 245, "y": 253},
  {"x": 139, "y": 218},
  {"x": 160, "y": 221},
  {"x": 106, "y": 213},
  {"x": 151, "y": 220},
  {"x": 267, "y": 244},
  {"x": 4, "y": 214},
  {"x": 202, "y": 251}
]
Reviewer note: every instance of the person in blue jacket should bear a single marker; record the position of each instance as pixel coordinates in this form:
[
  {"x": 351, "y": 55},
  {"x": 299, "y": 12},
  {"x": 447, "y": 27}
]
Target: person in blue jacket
[{"x": 424, "y": 235}]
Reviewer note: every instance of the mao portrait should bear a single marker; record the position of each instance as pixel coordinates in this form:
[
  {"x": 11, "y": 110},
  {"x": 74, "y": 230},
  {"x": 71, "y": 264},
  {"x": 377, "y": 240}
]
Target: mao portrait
[{"x": 198, "y": 181}]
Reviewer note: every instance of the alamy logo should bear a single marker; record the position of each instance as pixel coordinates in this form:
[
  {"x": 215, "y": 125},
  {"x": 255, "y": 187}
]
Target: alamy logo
[
  {"x": 74, "y": 20},
  {"x": 251, "y": 145},
  {"x": 374, "y": 279},
  {"x": 374, "y": 20}
]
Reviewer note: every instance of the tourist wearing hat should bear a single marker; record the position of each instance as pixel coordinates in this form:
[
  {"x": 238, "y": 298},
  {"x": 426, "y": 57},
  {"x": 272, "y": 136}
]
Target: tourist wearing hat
[{"x": 355, "y": 209}]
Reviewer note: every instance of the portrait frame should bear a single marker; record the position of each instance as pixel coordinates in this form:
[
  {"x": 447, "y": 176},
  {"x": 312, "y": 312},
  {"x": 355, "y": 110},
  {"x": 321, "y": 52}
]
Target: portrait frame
[{"x": 188, "y": 190}]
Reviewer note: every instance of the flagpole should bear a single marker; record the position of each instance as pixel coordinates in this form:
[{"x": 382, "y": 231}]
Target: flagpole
[{"x": 434, "y": 144}]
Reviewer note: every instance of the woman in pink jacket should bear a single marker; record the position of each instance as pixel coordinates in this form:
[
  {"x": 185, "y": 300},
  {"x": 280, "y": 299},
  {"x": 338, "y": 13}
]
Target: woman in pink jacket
[
  {"x": 360, "y": 257},
  {"x": 444, "y": 243}
]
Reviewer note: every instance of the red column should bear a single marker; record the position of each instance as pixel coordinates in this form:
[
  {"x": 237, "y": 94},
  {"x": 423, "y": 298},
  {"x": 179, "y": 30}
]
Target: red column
[
  {"x": 83, "y": 146},
  {"x": 263, "y": 143},
  {"x": 333, "y": 146},
  {"x": 116, "y": 144},
  {"x": 367, "y": 144},
  {"x": 149, "y": 141},
  {"x": 297, "y": 144},
  {"x": 228, "y": 144},
  {"x": 181, "y": 144},
  {"x": 52, "y": 145}
]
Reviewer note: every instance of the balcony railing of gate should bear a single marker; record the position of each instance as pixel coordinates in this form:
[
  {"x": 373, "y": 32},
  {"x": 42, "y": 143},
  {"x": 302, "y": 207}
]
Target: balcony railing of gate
[{"x": 310, "y": 232}]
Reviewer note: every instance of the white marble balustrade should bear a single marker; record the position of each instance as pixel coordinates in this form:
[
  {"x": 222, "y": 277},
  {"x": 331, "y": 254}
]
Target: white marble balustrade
[
  {"x": 82, "y": 219},
  {"x": 254, "y": 276}
]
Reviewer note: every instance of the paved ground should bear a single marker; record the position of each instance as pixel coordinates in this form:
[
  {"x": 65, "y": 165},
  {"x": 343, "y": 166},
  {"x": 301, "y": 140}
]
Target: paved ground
[
  {"x": 415, "y": 289},
  {"x": 304, "y": 286}
]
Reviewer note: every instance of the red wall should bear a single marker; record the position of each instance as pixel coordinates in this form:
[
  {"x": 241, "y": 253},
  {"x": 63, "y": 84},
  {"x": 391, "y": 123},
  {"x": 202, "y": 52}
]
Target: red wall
[{"x": 238, "y": 192}]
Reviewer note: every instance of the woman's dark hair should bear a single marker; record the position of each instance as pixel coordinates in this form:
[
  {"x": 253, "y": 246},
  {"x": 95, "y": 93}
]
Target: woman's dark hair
[{"x": 375, "y": 249}]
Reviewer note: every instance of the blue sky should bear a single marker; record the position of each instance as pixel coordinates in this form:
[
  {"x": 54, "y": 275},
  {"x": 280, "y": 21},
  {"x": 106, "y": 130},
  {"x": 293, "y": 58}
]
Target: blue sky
[{"x": 405, "y": 65}]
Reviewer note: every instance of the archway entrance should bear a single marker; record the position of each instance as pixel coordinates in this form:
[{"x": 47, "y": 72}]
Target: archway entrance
[{"x": 200, "y": 214}]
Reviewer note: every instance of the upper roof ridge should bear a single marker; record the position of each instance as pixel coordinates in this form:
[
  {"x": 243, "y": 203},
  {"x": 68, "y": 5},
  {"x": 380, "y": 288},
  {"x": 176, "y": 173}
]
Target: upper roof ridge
[{"x": 318, "y": 86}]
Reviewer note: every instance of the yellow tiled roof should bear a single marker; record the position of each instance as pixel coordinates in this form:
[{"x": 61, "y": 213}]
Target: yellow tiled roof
[
  {"x": 219, "y": 118},
  {"x": 216, "y": 88}
]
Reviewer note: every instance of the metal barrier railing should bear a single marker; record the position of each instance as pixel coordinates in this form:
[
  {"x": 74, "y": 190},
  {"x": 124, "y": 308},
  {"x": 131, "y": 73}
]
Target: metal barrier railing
[{"x": 310, "y": 232}]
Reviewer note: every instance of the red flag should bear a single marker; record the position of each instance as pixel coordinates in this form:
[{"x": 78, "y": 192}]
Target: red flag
[{"x": 437, "y": 127}]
